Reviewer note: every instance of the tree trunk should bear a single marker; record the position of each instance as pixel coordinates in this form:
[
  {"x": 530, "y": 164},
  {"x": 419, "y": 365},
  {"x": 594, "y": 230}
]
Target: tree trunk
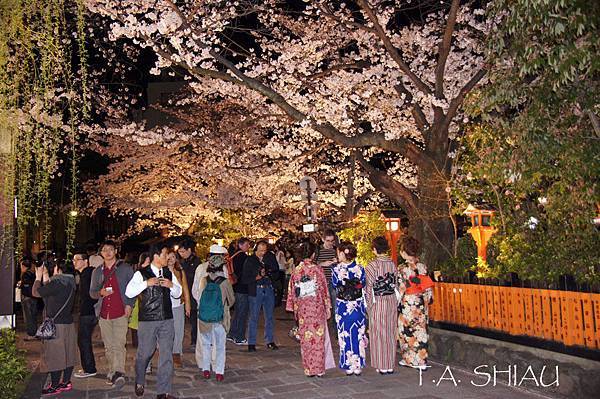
[{"x": 432, "y": 225}]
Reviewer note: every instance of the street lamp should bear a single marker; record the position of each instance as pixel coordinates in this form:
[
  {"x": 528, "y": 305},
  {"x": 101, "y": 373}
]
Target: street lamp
[
  {"x": 481, "y": 227},
  {"x": 393, "y": 229}
]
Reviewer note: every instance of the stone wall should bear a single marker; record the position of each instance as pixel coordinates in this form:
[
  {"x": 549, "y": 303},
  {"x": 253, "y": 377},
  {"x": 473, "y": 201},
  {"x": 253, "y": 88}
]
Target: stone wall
[{"x": 577, "y": 377}]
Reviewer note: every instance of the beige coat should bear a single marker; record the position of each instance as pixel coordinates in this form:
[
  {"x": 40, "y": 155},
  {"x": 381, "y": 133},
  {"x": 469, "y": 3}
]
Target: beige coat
[{"x": 226, "y": 294}]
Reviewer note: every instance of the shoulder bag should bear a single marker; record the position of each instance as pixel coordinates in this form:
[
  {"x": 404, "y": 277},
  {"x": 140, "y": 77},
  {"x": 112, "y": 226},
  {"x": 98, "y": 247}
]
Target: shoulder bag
[{"x": 47, "y": 330}]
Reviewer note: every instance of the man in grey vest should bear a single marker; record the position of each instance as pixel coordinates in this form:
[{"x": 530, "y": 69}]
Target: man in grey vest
[{"x": 156, "y": 285}]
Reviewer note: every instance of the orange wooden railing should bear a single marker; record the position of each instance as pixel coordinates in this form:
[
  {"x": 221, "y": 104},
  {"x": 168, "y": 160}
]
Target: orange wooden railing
[{"x": 572, "y": 318}]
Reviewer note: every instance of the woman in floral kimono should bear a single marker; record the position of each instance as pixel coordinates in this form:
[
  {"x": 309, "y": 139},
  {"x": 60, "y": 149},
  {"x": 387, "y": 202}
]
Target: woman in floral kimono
[
  {"x": 416, "y": 292},
  {"x": 348, "y": 280},
  {"x": 382, "y": 307},
  {"x": 308, "y": 298}
]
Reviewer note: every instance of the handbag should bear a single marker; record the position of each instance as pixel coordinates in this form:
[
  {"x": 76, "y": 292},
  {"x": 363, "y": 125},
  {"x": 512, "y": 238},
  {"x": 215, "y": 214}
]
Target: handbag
[{"x": 47, "y": 330}]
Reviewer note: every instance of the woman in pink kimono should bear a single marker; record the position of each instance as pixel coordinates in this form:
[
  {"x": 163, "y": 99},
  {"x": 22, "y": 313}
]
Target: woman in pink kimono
[{"x": 308, "y": 298}]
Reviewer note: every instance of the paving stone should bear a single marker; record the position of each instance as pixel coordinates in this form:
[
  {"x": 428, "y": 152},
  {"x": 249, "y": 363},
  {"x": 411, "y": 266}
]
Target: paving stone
[
  {"x": 270, "y": 374},
  {"x": 292, "y": 387},
  {"x": 261, "y": 383}
]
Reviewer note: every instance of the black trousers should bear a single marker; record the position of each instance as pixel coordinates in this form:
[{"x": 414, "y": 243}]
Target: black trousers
[
  {"x": 30, "y": 311},
  {"x": 84, "y": 341},
  {"x": 194, "y": 320}
]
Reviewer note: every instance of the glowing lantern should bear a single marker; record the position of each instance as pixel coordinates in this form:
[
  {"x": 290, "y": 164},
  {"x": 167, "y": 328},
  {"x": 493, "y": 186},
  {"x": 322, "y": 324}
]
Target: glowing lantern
[{"x": 481, "y": 228}]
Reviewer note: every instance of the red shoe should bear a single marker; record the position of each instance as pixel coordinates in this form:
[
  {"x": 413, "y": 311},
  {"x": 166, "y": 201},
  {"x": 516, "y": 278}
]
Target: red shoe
[
  {"x": 206, "y": 374},
  {"x": 220, "y": 377}
]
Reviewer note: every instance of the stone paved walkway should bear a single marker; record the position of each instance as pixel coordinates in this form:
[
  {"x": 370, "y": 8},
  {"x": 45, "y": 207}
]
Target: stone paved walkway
[{"x": 278, "y": 374}]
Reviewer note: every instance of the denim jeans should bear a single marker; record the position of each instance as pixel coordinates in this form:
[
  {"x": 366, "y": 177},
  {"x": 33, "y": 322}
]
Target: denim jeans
[
  {"x": 240, "y": 317},
  {"x": 265, "y": 299},
  {"x": 84, "y": 341}
]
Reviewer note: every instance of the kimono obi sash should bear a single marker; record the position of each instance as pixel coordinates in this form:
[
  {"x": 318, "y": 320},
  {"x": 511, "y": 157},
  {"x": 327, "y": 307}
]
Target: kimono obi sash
[
  {"x": 305, "y": 287},
  {"x": 385, "y": 285},
  {"x": 350, "y": 291},
  {"x": 418, "y": 284}
]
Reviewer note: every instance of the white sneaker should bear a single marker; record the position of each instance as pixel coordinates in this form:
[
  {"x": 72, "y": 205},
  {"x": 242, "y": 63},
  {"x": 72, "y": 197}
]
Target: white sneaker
[
  {"x": 403, "y": 363},
  {"x": 83, "y": 374}
]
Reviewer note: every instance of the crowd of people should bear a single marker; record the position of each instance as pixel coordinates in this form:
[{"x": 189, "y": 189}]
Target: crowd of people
[{"x": 377, "y": 307}]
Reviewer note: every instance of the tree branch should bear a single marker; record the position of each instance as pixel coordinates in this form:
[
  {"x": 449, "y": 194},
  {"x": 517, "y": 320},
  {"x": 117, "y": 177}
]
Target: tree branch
[
  {"x": 458, "y": 100},
  {"x": 401, "y": 146},
  {"x": 417, "y": 111},
  {"x": 352, "y": 65},
  {"x": 393, "y": 189},
  {"x": 360, "y": 201},
  {"x": 444, "y": 50},
  {"x": 391, "y": 49}
]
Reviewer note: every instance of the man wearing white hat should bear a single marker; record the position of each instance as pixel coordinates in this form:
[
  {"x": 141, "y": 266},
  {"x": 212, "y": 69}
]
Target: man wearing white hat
[{"x": 216, "y": 254}]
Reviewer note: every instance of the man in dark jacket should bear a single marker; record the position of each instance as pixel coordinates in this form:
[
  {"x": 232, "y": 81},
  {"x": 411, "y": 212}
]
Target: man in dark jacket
[
  {"x": 237, "y": 332},
  {"x": 87, "y": 317},
  {"x": 156, "y": 285},
  {"x": 29, "y": 304},
  {"x": 260, "y": 295},
  {"x": 189, "y": 262}
]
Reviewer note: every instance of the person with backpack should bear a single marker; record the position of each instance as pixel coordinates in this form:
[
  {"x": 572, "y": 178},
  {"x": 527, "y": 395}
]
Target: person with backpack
[
  {"x": 156, "y": 287},
  {"x": 215, "y": 253},
  {"x": 215, "y": 297}
]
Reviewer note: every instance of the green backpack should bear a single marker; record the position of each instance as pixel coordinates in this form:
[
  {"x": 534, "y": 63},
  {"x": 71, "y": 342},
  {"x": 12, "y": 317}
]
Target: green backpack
[{"x": 210, "y": 307}]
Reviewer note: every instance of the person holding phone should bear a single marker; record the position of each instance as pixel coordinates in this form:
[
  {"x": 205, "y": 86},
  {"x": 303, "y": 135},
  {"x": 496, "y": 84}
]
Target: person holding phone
[
  {"x": 58, "y": 355},
  {"x": 156, "y": 287},
  {"x": 113, "y": 309}
]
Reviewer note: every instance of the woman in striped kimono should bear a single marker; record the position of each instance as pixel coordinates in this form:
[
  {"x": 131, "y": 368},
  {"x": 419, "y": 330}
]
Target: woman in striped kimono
[{"x": 382, "y": 308}]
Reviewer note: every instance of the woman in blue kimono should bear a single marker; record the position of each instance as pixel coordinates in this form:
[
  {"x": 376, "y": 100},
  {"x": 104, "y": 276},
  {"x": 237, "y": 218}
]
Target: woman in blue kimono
[{"x": 348, "y": 278}]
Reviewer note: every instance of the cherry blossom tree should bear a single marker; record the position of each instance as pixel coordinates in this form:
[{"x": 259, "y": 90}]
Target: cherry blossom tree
[
  {"x": 361, "y": 74},
  {"x": 212, "y": 156}
]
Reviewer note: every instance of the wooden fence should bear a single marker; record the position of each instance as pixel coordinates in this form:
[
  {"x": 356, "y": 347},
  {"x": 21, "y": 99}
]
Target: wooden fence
[{"x": 572, "y": 318}]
